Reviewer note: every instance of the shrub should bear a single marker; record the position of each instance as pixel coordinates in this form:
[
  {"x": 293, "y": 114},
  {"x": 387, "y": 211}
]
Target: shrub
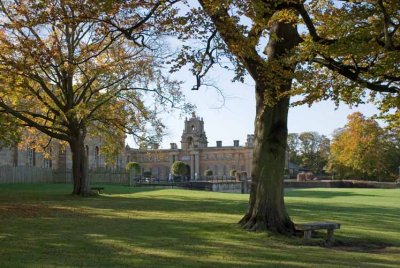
[
  {"x": 133, "y": 166},
  {"x": 178, "y": 168},
  {"x": 208, "y": 173}
]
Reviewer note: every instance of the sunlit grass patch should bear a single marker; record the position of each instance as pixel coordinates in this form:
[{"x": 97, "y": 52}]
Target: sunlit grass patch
[{"x": 44, "y": 226}]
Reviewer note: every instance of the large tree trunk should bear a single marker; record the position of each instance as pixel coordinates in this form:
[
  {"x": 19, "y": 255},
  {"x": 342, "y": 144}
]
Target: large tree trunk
[
  {"x": 266, "y": 206},
  {"x": 79, "y": 166}
]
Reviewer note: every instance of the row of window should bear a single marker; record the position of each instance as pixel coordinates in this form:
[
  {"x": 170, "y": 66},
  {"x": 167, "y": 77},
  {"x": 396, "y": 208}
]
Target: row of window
[{"x": 166, "y": 157}]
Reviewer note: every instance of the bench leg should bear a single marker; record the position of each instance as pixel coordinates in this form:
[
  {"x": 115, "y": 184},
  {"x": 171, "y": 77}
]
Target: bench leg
[
  {"x": 307, "y": 235},
  {"x": 329, "y": 239}
]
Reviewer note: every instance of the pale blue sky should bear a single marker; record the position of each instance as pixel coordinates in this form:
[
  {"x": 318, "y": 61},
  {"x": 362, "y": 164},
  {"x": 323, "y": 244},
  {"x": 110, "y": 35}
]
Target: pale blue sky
[{"x": 234, "y": 119}]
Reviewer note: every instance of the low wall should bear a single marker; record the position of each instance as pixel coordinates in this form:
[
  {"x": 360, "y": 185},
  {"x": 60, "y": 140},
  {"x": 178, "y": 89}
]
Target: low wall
[
  {"x": 227, "y": 187},
  {"x": 340, "y": 184},
  {"x": 243, "y": 187}
]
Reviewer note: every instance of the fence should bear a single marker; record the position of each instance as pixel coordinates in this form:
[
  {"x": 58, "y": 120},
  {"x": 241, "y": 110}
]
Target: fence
[{"x": 22, "y": 174}]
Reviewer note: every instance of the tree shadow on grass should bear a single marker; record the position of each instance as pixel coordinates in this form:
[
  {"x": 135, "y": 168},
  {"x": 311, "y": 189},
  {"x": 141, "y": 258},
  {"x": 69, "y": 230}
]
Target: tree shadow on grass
[
  {"x": 89, "y": 240},
  {"x": 174, "y": 230}
]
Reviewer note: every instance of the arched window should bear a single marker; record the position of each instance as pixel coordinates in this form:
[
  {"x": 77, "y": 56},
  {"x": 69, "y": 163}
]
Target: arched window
[
  {"x": 190, "y": 141},
  {"x": 96, "y": 157}
]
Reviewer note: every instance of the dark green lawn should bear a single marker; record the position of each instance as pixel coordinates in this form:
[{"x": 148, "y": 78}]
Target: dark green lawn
[{"x": 44, "y": 226}]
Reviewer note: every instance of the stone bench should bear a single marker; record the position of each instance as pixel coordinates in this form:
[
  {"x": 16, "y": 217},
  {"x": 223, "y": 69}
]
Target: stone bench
[
  {"x": 98, "y": 189},
  {"x": 308, "y": 228}
]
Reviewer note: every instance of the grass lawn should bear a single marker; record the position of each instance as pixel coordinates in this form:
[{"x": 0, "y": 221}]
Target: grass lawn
[{"x": 44, "y": 226}]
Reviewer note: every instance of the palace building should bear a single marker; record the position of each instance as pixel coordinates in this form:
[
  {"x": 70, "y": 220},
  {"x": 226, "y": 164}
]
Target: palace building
[{"x": 196, "y": 153}]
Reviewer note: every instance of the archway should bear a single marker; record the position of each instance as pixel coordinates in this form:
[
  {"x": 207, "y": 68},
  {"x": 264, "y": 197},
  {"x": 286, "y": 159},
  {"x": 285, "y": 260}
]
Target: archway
[{"x": 187, "y": 175}]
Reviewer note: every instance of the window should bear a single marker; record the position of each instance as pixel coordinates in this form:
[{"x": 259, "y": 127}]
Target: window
[
  {"x": 15, "y": 156},
  {"x": 31, "y": 157},
  {"x": 96, "y": 157},
  {"x": 117, "y": 162},
  {"x": 47, "y": 162}
]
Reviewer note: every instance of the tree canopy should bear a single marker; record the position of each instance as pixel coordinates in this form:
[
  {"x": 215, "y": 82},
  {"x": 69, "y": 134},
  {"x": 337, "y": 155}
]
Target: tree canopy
[
  {"x": 67, "y": 73},
  {"x": 345, "y": 51},
  {"x": 309, "y": 150},
  {"x": 133, "y": 166},
  {"x": 179, "y": 168},
  {"x": 364, "y": 150}
]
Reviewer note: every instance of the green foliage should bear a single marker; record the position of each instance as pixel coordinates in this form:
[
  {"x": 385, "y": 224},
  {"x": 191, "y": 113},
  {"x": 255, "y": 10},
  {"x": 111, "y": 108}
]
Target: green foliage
[
  {"x": 10, "y": 133},
  {"x": 134, "y": 166},
  {"x": 208, "y": 173},
  {"x": 179, "y": 168},
  {"x": 232, "y": 172},
  {"x": 354, "y": 46},
  {"x": 309, "y": 150}
]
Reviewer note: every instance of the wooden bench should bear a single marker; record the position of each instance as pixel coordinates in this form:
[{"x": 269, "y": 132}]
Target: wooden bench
[
  {"x": 308, "y": 229},
  {"x": 98, "y": 189}
]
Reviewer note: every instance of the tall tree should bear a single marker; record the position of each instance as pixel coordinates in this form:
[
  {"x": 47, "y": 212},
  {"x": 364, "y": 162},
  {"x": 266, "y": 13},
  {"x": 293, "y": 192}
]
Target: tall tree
[
  {"x": 293, "y": 143},
  {"x": 336, "y": 62},
  {"x": 313, "y": 151},
  {"x": 363, "y": 150},
  {"x": 273, "y": 77},
  {"x": 65, "y": 73},
  {"x": 325, "y": 62}
]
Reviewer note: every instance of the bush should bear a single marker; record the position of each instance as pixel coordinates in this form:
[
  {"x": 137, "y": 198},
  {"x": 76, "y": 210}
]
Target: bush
[
  {"x": 178, "y": 168},
  {"x": 133, "y": 166},
  {"x": 208, "y": 173},
  {"x": 232, "y": 173}
]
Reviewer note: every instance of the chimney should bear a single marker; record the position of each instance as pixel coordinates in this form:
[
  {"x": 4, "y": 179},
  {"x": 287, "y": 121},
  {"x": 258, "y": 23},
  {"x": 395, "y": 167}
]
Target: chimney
[
  {"x": 235, "y": 143},
  {"x": 219, "y": 143}
]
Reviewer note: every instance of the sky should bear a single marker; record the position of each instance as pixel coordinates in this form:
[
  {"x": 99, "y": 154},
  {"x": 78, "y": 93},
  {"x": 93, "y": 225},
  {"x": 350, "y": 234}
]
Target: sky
[{"x": 231, "y": 117}]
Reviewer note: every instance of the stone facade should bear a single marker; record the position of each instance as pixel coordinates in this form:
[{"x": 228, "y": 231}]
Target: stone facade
[
  {"x": 61, "y": 158},
  {"x": 196, "y": 153}
]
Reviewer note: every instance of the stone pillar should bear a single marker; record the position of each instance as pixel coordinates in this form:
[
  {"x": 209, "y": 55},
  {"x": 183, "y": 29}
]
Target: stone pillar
[
  {"x": 197, "y": 165},
  {"x": 192, "y": 167}
]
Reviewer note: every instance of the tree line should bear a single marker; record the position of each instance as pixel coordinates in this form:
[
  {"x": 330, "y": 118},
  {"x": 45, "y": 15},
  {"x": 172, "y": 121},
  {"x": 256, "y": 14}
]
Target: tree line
[{"x": 361, "y": 149}]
